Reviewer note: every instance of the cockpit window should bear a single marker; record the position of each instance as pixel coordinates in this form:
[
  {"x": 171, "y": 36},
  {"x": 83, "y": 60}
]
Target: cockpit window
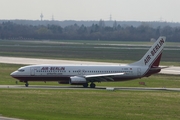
[{"x": 21, "y": 70}]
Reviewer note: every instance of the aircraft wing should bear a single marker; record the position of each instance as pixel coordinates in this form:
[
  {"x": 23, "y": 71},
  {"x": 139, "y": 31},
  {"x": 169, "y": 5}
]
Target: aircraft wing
[{"x": 103, "y": 77}]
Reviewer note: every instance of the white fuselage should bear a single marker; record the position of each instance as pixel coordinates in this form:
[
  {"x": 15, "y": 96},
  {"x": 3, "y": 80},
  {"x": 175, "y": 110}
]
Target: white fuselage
[{"x": 60, "y": 72}]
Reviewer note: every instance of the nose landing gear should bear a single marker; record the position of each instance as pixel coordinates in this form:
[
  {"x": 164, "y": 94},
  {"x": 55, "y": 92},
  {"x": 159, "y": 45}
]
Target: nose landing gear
[{"x": 26, "y": 84}]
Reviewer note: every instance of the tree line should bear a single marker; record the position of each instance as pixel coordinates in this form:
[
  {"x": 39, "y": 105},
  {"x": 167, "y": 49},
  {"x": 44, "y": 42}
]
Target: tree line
[{"x": 10, "y": 30}]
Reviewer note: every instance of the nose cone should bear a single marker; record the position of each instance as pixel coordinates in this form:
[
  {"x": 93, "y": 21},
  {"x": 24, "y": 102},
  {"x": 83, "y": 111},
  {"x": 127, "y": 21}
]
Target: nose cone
[{"x": 13, "y": 74}]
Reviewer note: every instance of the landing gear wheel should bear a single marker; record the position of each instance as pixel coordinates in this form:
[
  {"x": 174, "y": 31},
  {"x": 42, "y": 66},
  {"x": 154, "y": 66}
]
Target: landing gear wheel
[
  {"x": 26, "y": 84},
  {"x": 85, "y": 85},
  {"x": 92, "y": 85}
]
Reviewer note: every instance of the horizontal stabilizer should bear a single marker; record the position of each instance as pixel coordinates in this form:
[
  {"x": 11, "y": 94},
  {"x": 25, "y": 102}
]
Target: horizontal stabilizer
[{"x": 158, "y": 68}]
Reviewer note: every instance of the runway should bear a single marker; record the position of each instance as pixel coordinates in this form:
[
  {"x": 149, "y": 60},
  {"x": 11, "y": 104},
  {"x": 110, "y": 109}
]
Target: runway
[
  {"x": 48, "y": 87},
  {"x": 29, "y": 61},
  {"x": 32, "y": 61},
  {"x": 7, "y": 118}
]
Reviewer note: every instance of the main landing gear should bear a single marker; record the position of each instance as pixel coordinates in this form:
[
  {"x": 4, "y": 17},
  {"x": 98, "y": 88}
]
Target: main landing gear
[{"x": 92, "y": 85}]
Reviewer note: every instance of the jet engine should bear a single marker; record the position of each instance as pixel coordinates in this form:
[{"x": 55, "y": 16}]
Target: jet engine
[{"x": 77, "y": 80}]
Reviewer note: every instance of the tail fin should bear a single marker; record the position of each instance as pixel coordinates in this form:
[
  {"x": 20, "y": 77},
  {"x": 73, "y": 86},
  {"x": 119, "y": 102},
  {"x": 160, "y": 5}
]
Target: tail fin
[{"x": 153, "y": 56}]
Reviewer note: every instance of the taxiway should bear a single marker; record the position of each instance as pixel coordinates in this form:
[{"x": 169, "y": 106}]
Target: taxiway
[{"x": 81, "y": 88}]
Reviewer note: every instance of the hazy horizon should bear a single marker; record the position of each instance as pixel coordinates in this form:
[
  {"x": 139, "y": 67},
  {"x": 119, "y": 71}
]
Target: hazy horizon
[{"x": 89, "y": 10}]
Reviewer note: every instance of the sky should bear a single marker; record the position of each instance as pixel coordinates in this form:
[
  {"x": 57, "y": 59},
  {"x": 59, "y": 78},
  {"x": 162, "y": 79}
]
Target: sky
[{"x": 119, "y": 10}]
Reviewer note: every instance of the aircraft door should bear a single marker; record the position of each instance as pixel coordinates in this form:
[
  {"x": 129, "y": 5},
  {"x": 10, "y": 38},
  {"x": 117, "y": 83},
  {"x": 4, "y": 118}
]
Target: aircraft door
[
  {"x": 32, "y": 71},
  {"x": 138, "y": 71}
]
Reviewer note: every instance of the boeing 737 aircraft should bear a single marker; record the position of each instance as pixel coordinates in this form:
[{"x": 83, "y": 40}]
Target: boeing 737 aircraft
[{"x": 84, "y": 74}]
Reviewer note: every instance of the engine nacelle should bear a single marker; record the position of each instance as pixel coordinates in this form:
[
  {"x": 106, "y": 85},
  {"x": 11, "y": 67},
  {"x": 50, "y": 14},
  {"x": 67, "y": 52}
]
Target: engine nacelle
[{"x": 77, "y": 80}]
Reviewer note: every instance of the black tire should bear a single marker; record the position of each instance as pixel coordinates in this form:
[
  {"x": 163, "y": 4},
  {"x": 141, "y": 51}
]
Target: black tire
[
  {"x": 85, "y": 85},
  {"x": 92, "y": 85},
  {"x": 26, "y": 84}
]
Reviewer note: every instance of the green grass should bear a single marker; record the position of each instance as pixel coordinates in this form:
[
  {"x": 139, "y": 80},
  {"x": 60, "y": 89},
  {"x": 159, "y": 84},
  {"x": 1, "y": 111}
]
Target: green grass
[
  {"x": 158, "y": 80},
  {"x": 89, "y": 104},
  {"x": 42, "y": 104}
]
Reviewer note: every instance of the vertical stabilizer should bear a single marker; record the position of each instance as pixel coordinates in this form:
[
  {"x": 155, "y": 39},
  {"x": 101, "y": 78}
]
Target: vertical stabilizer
[{"x": 153, "y": 56}]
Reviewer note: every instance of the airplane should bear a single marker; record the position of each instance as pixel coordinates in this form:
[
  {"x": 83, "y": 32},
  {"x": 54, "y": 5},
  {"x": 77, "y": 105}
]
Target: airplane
[{"x": 85, "y": 74}]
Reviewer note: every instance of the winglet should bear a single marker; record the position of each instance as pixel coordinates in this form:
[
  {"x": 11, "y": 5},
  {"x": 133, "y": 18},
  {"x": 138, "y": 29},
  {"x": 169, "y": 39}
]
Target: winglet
[{"x": 153, "y": 56}]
